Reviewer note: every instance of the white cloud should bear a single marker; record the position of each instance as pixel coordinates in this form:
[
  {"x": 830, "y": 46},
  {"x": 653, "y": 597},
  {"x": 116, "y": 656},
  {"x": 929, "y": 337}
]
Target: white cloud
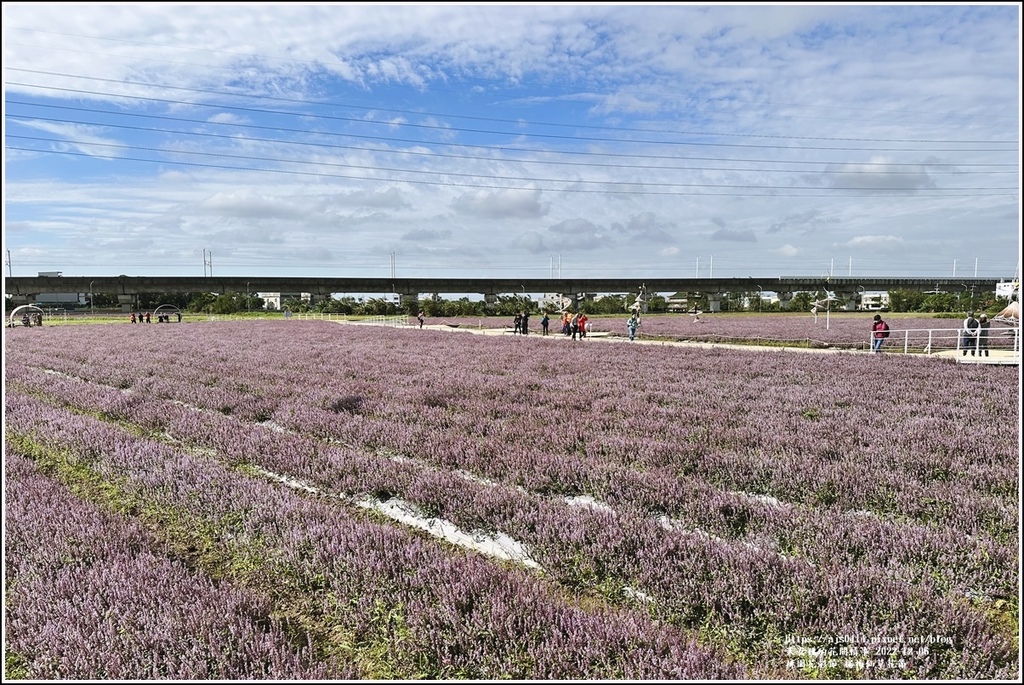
[
  {"x": 502, "y": 204},
  {"x": 740, "y": 236},
  {"x": 877, "y": 241}
]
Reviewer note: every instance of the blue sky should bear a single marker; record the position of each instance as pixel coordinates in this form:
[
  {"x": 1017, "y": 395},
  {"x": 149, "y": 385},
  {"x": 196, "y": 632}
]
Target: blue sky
[{"x": 528, "y": 140}]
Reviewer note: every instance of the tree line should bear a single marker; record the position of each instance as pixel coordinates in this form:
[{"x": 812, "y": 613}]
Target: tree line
[{"x": 435, "y": 306}]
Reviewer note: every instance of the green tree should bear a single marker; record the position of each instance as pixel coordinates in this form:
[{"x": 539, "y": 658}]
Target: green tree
[
  {"x": 379, "y": 306},
  {"x": 104, "y": 300},
  {"x": 333, "y": 305},
  {"x": 801, "y": 302},
  {"x": 228, "y": 303},
  {"x": 509, "y": 305},
  {"x": 297, "y": 305},
  {"x": 200, "y": 302},
  {"x": 930, "y": 302},
  {"x": 657, "y": 304},
  {"x": 907, "y": 301},
  {"x": 731, "y": 302}
]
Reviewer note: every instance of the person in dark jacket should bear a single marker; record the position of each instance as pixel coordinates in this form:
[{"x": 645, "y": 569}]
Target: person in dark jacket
[
  {"x": 983, "y": 326},
  {"x": 969, "y": 334}
]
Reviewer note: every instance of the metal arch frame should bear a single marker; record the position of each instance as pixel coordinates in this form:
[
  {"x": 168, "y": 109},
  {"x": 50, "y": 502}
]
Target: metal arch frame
[
  {"x": 23, "y": 307},
  {"x": 170, "y": 307}
]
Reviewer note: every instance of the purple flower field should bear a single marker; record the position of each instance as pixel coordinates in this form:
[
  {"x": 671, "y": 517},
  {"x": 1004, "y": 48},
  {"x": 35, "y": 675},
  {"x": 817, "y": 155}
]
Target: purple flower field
[{"x": 312, "y": 500}]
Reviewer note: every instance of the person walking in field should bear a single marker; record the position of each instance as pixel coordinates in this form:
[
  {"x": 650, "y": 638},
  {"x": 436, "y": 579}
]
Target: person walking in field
[
  {"x": 632, "y": 323},
  {"x": 583, "y": 325},
  {"x": 574, "y": 325},
  {"x": 419, "y": 317},
  {"x": 880, "y": 331},
  {"x": 544, "y": 324}
]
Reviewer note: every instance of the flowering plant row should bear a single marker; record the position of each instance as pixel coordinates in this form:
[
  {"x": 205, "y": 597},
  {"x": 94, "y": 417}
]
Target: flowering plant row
[
  {"x": 666, "y": 439},
  {"x": 102, "y": 598},
  {"x": 370, "y": 598}
]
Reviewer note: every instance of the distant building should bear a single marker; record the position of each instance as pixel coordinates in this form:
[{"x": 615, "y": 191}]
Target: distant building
[
  {"x": 1007, "y": 288},
  {"x": 275, "y": 301},
  {"x": 873, "y": 302},
  {"x": 682, "y": 302}
]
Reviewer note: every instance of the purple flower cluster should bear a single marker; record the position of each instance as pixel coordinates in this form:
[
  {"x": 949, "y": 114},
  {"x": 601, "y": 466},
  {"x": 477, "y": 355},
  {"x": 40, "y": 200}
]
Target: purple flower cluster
[
  {"x": 93, "y": 596},
  {"x": 375, "y": 590},
  {"x": 738, "y": 497}
]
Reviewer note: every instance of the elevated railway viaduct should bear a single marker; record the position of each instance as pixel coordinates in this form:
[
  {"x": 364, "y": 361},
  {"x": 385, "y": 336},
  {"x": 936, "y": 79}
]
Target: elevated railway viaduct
[{"x": 25, "y": 289}]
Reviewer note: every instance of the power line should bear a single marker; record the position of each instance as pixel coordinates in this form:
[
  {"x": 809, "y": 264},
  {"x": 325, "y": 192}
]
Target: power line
[
  {"x": 516, "y": 122},
  {"x": 636, "y": 187},
  {"x": 449, "y": 129},
  {"x": 617, "y": 165}
]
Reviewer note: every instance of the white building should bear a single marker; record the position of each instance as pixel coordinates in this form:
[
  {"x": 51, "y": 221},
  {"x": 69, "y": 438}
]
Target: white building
[
  {"x": 874, "y": 301},
  {"x": 1007, "y": 288},
  {"x": 274, "y": 300}
]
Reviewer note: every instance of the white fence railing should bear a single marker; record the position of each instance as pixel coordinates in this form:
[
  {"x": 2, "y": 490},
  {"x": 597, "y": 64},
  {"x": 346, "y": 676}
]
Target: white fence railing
[
  {"x": 933, "y": 340},
  {"x": 398, "y": 320}
]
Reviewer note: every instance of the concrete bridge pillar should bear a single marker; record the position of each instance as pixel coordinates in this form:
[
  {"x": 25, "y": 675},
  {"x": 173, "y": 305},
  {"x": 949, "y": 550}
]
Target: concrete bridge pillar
[
  {"x": 715, "y": 302},
  {"x": 129, "y": 303},
  {"x": 407, "y": 301},
  {"x": 784, "y": 298},
  {"x": 850, "y": 299}
]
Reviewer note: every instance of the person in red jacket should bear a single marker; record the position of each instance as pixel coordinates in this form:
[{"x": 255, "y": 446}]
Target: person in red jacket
[{"x": 880, "y": 331}]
